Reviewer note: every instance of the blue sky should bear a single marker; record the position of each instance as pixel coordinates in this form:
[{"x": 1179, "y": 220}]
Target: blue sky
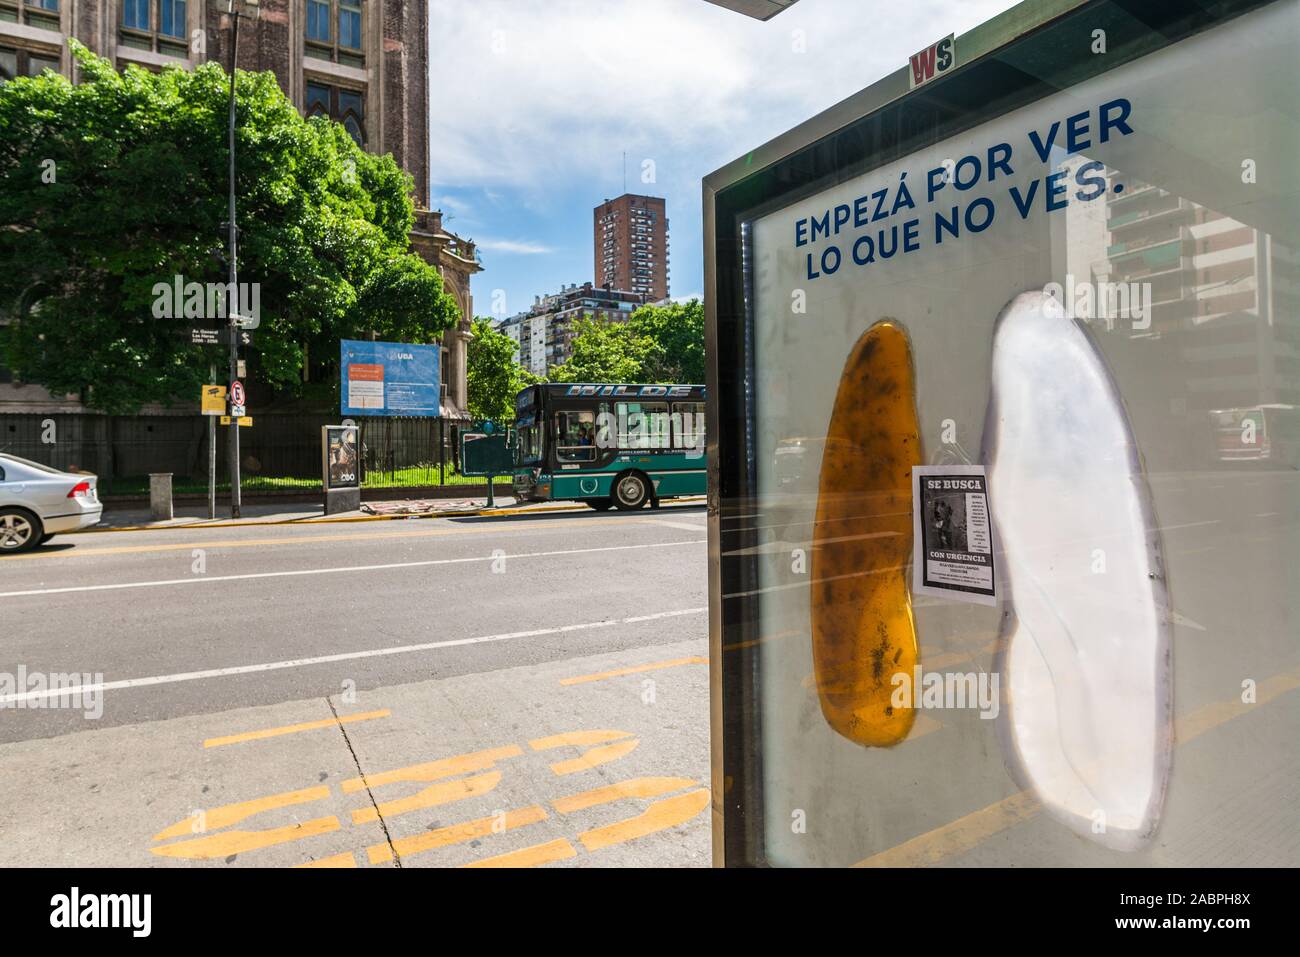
[{"x": 534, "y": 103}]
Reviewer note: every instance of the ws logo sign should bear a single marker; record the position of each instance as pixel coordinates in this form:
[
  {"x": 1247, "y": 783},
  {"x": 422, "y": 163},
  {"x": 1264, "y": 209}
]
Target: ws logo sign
[{"x": 935, "y": 60}]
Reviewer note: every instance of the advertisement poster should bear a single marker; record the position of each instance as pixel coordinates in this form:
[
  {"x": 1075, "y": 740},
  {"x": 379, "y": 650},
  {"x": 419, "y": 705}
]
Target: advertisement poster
[
  {"x": 953, "y": 537},
  {"x": 342, "y": 461},
  {"x": 389, "y": 378}
]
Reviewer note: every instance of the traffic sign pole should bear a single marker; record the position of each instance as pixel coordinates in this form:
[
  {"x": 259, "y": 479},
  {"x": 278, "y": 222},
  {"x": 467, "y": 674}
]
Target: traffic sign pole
[
  {"x": 232, "y": 251},
  {"x": 212, "y": 453}
]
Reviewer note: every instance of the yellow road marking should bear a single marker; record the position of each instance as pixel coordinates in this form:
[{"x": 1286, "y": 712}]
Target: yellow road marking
[
  {"x": 578, "y": 738},
  {"x": 666, "y": 813},
  {"x": 961, "y": 835},
  {"x": 432, "y": 770},
  {"x": 602, "y": 745},
  {"x": 237, "y": 842},
  {"x": 754, "y": 642},
  {"x": 455, "y": 834},
  {"x": 346, "y": 859},
  {"x": 973, "y": 829},
  {"x": 229, "y": 814},
  {"x": 634, "y": 788},
  {"x": 295, "y": 728},
  {"x": 593, "y": 757},
  {"x": 530, "y": 856},
  {"x": 432, "y": 796},
  {"x": 582, "y": 679}
]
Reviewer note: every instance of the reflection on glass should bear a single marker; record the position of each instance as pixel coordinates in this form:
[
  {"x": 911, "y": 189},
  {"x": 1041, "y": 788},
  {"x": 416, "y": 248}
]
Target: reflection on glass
[{"x": 172, "y": 18}]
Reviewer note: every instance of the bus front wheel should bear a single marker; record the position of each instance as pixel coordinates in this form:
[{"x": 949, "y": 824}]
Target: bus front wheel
[
  {"x": 631, "y": 490},
  {"x": 600, "y": 504}
]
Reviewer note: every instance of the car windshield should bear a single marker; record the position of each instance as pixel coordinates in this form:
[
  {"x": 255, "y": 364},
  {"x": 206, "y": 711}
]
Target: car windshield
[{"x": 28, "y": 463}]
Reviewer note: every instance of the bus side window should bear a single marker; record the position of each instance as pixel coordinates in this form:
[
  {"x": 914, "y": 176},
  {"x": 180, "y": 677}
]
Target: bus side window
[
  {"x": 575, "y": 436},
  {"x": 642, "y": 425},
  {"x": 688, "y": 425}
]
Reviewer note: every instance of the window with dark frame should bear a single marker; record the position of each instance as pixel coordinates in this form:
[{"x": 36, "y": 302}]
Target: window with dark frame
[
  {"x": 160, "y": 26},
  {"x": 34, "y": 13},
  {"x": 333, "y": 31},
  {"x": 16, "y": 62},
  {"x": 339, "y": 104}
]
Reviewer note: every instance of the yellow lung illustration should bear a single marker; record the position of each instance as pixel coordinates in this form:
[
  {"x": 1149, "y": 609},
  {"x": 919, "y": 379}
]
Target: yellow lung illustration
[{"x": 862, "y": 628}]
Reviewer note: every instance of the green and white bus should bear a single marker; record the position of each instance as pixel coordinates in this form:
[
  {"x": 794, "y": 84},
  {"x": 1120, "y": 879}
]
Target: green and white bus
[{"x": 617, "y": 446}]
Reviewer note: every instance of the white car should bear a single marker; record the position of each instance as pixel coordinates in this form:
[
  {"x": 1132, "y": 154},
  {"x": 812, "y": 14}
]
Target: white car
[{"x": 37, "y": 502}]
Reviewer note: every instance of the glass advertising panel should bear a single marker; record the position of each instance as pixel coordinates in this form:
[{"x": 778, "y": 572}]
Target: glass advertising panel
[
  {"x": 342, "y": 459},
  {"x": 1041, "y": 320}
]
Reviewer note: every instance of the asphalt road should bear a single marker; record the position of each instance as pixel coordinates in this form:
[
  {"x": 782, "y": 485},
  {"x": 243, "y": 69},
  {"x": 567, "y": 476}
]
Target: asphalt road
[
  {"x": 485, "y": 631},
  {"x": 137, "y": 605}
]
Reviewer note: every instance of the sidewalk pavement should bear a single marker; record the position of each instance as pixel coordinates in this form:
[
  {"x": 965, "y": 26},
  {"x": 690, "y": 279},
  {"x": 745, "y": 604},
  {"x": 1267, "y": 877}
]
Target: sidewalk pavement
[{"x": 196, "y": 515}]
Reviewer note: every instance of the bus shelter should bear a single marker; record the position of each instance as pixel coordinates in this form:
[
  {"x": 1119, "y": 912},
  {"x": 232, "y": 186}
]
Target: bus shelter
[{"x": 985, "y": 587}]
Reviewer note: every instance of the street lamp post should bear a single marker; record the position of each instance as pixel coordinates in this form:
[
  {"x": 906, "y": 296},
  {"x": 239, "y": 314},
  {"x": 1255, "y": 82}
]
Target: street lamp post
[{"x": 235, "y": 8}]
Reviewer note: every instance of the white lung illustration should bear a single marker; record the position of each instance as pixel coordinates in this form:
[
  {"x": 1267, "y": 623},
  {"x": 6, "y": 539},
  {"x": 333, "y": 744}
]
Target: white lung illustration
[{"x": 1086, "y": 655}]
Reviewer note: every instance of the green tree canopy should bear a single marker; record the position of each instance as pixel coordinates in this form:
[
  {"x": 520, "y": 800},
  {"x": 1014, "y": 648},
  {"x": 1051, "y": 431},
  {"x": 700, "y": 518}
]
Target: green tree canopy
[
  {"x": 118, "y": 183},
  {"x": 493, "y": 377},
  {"x": 656, "y": 344},
  {"x": 605, "y": 351},
  {"x": 678, "y": 332}
]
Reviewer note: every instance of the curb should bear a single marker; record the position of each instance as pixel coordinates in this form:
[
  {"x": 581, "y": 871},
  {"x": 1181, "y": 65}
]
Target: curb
[{"x": 469, "y": 513}]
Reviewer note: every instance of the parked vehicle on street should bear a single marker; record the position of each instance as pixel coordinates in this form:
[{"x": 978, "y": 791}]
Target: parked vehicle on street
[{"x": 37, "y": 502}]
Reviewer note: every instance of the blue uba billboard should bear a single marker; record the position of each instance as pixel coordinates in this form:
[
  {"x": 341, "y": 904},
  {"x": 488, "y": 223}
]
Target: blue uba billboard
[{"x": 389, "y": 378}]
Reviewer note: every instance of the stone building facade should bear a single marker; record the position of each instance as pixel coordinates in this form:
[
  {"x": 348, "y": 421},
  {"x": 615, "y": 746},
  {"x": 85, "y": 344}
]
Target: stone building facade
[{"x": 364, "y": 63}]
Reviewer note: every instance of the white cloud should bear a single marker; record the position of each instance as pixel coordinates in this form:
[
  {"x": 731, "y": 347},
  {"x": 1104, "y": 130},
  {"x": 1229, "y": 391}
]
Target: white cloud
[
  {"x": 549, "y": 91},
  {"x": 518, "y": 247}
]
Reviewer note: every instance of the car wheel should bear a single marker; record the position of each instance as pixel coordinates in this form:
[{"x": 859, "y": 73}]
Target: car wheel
[
  {"x": 600, "y": 504},
  {"x": 20, "y": 530},
  {"x": 630, "y": 491}
]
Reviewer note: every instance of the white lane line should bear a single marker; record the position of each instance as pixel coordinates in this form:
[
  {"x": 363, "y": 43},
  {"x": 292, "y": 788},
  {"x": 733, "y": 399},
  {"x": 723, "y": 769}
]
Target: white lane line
[
  {"x": 327, "y": 659},
  {"x": 206, "y": 579}
]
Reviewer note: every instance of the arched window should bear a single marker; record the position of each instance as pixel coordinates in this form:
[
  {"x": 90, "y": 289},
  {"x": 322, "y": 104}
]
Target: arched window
[{"x": 341, "y": 105}]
